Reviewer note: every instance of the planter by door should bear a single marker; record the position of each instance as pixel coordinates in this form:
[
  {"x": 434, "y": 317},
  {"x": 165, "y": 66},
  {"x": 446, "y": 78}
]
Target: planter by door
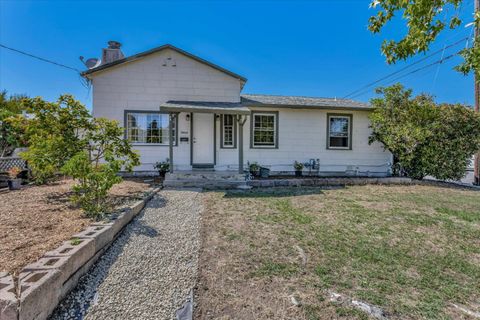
[{"x": 15, "y": 184}]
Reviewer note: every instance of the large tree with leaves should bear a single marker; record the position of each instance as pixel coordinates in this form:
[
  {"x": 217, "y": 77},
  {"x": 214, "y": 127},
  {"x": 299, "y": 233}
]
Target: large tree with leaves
[
  {"x": 426, "y": 19},
  {"x": 11, "y": 137},
  {"x": 425, "y": 138}
]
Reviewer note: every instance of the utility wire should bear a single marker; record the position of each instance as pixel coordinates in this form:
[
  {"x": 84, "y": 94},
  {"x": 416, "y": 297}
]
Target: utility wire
[
  {"x": 412, "y": 72},
  {"x": 40, "y": 58},
  {"x": 354, "y": 93}
]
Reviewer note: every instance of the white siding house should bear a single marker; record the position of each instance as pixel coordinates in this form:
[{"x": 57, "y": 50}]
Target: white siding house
[{"x": 207, "y": 112}]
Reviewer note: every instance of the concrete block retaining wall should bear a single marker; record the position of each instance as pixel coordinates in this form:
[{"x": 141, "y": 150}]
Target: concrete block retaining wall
[{"x": 43, "y": 284}]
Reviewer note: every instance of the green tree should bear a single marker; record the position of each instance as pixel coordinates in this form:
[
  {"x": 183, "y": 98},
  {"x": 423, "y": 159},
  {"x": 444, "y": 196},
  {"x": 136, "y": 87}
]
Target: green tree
[
  {"x": 96, "y": 167},
  {"x": 54, "y": 132},
  {"x": 11, "y": 137},
  {"x": 425, "y": 139},
  {"x": 426, "y": 19}
]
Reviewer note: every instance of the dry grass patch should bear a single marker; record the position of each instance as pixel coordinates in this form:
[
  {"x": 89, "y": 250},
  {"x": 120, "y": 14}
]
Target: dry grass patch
[
  {"x": 37, "y": 219},
  {"x": 410, "y": 250}
]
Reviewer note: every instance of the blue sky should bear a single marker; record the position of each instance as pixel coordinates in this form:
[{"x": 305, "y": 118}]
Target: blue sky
[{"x": 311, "y": 48}]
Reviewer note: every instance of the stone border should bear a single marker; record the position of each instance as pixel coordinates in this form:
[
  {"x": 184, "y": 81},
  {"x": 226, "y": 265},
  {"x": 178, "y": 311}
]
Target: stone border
[
  {"x": 43, "y": 284},
  {"x": 321, "y": 181},
  {"x": 351, "y": 181}
]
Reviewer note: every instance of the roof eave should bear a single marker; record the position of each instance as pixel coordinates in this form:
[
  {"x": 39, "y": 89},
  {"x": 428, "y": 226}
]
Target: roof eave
[
  {"x": 157, "y": 49},
  {"x": 309, "y": 107}
]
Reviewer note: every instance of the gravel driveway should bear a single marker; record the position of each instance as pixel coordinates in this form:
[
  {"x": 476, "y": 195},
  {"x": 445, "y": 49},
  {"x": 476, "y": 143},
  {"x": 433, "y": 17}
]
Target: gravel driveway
[{"x": 149, "y": 270}]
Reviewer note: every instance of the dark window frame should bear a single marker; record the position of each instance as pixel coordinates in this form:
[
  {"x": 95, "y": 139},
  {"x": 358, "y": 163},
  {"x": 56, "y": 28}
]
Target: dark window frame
[
  {"x": 222, "y": 131},
  {"x": 276, "y": 133},
  {"x": 125, "y": 126},
  {"x": 350, "y": 130}
]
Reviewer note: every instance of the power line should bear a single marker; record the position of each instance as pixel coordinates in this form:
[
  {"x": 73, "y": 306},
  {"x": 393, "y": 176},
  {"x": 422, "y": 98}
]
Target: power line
[
  {"x": 354, "y": 93},
  {"x": 40, "y": 58},
  {"x": 412, "y": 72}
]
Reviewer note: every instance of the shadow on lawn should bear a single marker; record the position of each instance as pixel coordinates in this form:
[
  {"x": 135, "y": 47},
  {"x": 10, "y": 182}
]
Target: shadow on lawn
[
  {"x": 277, "y": 192},
  {"x": 84, "y": 295}
]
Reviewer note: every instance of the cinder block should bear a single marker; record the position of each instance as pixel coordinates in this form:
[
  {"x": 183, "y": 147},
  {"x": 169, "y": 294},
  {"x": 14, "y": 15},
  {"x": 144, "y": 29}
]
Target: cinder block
[
  {"x": 8, "y": 298},
  {"x": 39, "y": 293},
  {"x": 281, "y": 183},
  {"x": 321, "y": 182},
  {"x": 102, "y": 235},
  {"x": 137, "y": 207},
  {"x": 77, "y": 255}
]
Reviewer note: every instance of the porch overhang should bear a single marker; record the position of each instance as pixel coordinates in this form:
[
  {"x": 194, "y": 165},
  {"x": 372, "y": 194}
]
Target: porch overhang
[{"x": 205, "y": 107}]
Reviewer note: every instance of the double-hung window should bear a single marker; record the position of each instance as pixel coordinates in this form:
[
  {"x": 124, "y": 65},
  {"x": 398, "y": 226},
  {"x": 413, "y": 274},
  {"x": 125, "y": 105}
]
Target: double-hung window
[
  {"x": 264, "y": 130},
  {"x": 228, "y": 134},
  {"x": 149, "y": 128},
  {"x": 339, "y": 132}
]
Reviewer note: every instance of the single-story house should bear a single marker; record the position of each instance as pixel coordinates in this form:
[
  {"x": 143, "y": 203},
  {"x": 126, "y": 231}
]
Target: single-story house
[{"x": 176, "y": 105}]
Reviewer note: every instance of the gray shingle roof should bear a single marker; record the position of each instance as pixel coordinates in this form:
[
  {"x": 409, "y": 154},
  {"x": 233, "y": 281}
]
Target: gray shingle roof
[{"x": 260, "y": 100}]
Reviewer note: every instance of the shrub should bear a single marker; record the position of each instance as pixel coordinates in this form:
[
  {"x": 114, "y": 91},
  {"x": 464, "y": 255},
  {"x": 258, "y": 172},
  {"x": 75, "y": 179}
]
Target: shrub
[
  {"x": 162, "y": 166},
  {"x": 96, "y": 167},
  {"x": 424, "y": 138},
  {"x": 298, "y": 166}
]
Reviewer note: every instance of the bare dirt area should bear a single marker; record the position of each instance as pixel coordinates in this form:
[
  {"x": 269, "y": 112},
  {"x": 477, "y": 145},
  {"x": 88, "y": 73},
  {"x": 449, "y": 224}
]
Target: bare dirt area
[
  {"x": 37, "y": 219},
  {"x": 290, "y": 253}
]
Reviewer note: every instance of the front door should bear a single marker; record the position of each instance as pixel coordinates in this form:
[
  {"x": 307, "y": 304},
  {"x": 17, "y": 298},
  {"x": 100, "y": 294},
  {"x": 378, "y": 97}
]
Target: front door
[{"x": 203, "y": 138}]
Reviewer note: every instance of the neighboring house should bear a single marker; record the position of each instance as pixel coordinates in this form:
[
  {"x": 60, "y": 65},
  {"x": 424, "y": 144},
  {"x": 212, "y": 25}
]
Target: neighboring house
[{"x": 215, "y": 126}]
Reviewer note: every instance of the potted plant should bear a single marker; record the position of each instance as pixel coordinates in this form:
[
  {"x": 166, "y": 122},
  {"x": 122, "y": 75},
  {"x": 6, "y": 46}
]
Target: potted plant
[
  {"x": 254, "y": 169},
  {"x": 163, "y": 167},
  {"x": 14, "y": 183},
  {"x": 298, "y": 166}
]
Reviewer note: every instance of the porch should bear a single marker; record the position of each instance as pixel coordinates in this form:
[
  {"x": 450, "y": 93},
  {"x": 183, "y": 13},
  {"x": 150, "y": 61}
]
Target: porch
[
  {"x": 205, "y": 179},
  {"x": 202, "y": 138}
]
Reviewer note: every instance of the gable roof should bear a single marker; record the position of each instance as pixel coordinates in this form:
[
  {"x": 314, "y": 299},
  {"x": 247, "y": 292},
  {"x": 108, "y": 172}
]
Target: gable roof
[
  {"x": 298, "y": 102},
  {"x": 158, "y": 49}
]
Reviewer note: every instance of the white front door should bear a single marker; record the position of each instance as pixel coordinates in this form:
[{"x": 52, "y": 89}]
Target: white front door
[{"x": 203, "y": 138}]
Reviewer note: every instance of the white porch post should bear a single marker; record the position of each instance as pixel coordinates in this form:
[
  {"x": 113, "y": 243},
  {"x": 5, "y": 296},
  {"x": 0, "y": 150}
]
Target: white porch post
[
  {"x": 241, "y": 122},
  {"x": 170, "y": 140}
]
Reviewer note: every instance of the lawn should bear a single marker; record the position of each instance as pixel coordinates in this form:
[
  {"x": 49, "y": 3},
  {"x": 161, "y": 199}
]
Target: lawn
[
  {"x": 37, "y": 219},
  {"x": 413, "y": 251}
]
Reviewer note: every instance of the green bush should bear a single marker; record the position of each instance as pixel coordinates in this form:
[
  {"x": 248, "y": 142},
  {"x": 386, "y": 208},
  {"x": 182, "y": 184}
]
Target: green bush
[
  {"x": 96, "y": 167},
  {"x": 425, "y": 138},
  {"x": 54, "y": 134}
]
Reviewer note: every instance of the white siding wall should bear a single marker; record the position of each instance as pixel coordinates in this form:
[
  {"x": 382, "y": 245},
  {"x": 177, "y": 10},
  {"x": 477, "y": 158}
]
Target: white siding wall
[
  {"x": 145, "y": 84},
  {"x": 302, "y": 136}
]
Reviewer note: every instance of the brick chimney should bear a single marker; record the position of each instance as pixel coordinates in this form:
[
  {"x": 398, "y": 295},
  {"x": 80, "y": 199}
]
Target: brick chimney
[{"x": 112, "y": 53}]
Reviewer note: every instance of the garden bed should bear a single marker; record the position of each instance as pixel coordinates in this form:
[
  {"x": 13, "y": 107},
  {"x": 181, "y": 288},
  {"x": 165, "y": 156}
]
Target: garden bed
[
  {"x": 37, "y": 219},
  {"x": 311, "y": 253}
]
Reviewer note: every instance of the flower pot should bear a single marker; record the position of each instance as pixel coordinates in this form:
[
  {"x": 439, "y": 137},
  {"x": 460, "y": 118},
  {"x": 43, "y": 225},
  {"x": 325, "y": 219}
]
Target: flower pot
[
  {"x": 162, "y": 174},
  {"x": 298, "y": 173},
  {"x": 254, "y": 173},
  {"x": 264, "y": 172},
  {"x": 15, "y": 184}
]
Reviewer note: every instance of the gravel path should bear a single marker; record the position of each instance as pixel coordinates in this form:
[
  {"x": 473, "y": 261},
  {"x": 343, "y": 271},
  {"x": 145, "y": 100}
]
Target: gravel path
[{"x": 149, "y": 270}]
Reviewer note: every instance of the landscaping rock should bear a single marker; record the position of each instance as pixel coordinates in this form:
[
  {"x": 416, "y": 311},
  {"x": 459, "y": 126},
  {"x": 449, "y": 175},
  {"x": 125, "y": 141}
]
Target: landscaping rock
[{"x": 148, "y": 270}]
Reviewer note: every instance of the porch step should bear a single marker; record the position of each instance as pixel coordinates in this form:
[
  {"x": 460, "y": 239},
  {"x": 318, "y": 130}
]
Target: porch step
[
  {"x": 209, "y": 167},
  {"x": 204, "y": 179}
]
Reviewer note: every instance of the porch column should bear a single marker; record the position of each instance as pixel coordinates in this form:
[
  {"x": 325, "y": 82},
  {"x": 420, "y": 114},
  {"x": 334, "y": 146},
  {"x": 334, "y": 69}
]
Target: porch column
[
  {"x": 241, "y": 121},
  {"x": 170, "y": 140}
]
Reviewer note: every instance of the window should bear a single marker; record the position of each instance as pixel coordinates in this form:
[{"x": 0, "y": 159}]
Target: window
[
  {"x": 228, "y": 125},
  {"x": 149, "y": 128},
  {"x": 264, "y": 127},
  {"x": 339, "y": 132}
]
